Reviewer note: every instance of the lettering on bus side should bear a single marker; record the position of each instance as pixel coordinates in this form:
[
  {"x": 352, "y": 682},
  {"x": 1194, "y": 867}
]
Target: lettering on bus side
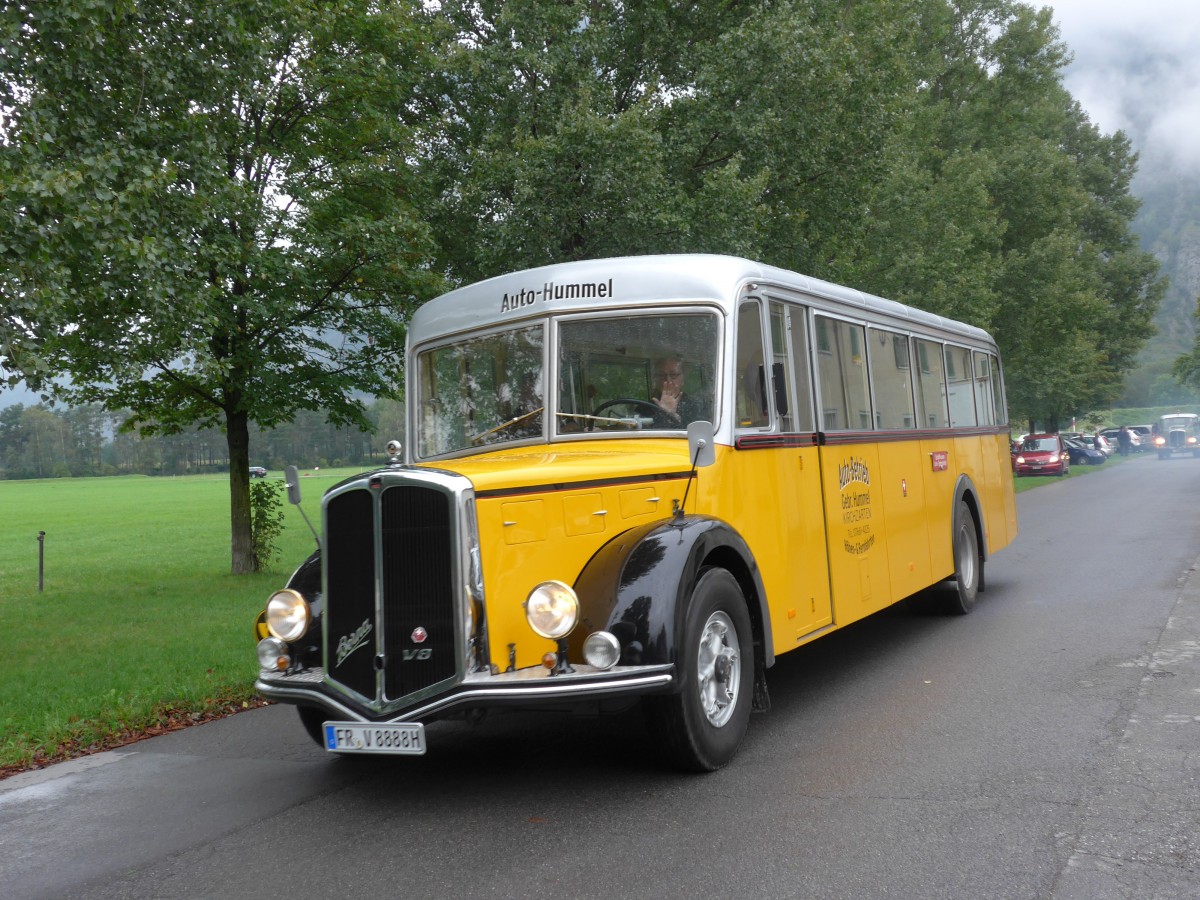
[
  {"x": 575, "y": 290},
  {"x": 854, "y": 479}
]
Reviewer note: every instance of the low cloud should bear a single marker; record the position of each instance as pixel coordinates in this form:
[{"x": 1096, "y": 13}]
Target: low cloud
[{"x": 1136, "y": 69}]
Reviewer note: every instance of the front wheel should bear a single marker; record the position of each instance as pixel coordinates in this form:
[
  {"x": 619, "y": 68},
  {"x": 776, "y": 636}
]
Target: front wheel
[
  {"x": 968, "y": 565},
  {"x": 313, "y": 721},
  {"x": 700, "y": 728}
]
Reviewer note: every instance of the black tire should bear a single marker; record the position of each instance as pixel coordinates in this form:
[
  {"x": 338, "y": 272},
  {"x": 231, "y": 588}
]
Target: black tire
[
  {"x": 313, "y": 721},
  {"x": 700, "y": 728},
  {"x": 968, "y": 564}
]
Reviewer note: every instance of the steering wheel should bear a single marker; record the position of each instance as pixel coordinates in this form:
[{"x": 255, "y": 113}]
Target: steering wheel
[{"x": 644, "y": 406}]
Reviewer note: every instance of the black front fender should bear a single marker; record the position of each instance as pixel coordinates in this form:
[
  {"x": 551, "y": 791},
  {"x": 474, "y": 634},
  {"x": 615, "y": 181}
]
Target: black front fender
[{"x": 638, "y": 584}]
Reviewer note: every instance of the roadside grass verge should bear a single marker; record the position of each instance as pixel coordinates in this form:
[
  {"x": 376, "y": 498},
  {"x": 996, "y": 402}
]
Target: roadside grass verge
[{"x": 140, "y": 627}]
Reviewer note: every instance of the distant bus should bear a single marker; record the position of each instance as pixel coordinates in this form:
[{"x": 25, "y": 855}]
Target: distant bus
[{"x": 641, "y": 480}]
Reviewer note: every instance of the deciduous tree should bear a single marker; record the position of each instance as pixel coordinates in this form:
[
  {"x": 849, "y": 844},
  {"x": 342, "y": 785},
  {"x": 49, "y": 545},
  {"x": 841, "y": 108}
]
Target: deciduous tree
[{"x": 207, "y": 211}]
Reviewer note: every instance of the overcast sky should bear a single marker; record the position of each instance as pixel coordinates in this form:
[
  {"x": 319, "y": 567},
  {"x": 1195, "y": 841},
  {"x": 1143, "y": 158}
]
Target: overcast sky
[{"x": 1137, "y": 68}]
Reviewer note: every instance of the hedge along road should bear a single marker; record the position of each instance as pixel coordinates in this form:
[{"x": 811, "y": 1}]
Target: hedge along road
[{"x": 1042, "y": 746}]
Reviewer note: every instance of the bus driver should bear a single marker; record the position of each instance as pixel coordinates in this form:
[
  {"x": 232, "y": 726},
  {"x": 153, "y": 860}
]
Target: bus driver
[{"x": 678, "y": 408}]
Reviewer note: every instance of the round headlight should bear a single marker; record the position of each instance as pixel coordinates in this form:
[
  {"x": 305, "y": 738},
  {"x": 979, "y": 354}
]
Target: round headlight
[
  {"x": 288, "y": 615},
  {"x": 552, "y": 609},
  {"x": 601, "y": 649},
  {"x": 272, "y": 654}
]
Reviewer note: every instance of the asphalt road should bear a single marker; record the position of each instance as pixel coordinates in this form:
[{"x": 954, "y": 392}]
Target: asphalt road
[{"x": 1045, "y": 746}]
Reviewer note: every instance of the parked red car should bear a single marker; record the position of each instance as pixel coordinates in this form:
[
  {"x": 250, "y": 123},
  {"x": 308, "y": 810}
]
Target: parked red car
[{"x": 1042, "y": 454}]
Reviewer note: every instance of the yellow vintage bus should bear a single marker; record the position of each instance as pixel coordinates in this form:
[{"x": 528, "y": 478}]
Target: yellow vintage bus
[{"x": 641, "y": 480}]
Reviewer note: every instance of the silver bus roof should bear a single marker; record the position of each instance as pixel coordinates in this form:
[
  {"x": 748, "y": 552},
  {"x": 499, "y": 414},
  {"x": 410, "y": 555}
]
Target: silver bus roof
[{"x": 632, "y": 281}]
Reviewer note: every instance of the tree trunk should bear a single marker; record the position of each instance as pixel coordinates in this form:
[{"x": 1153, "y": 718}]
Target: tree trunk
[{"x": 237, "y": 435}]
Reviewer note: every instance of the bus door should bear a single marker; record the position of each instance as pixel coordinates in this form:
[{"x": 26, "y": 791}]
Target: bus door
[
  {"x": 851, "y": 474},
  {"x": 903, "y": 463},
  {"x": 777, "y": 478}
]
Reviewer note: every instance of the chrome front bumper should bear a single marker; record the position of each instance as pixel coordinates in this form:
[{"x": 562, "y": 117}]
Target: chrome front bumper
[{"x": 525, "y": 688}]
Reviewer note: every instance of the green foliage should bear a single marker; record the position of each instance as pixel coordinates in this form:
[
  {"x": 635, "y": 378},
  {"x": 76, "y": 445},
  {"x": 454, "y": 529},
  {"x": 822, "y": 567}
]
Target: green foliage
[
  {"x": 1014, "y": 213},
  {"x": 922, "y": 150},
  {"x": 266, "y": 521},
  {"x": 581, "y": 129},
  {"x": 241, "y": 203},
  {"x": 221, "y": 196}
]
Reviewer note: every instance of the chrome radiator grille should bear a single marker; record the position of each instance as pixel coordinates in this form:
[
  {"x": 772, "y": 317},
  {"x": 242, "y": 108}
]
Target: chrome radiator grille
[{"x": 389, "y": 590}]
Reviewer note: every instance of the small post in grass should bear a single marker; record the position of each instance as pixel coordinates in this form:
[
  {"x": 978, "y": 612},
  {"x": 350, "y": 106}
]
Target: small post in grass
[{"x": 41, "y": 559}]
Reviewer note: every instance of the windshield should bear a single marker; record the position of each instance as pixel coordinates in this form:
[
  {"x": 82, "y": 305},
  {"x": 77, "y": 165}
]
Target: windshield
[
  {"x": 637, "y": 372},
  {"x": 617, "y": 374},
  {"x": 481, "y": 390},
  {"x": 1040, "y": 445}
]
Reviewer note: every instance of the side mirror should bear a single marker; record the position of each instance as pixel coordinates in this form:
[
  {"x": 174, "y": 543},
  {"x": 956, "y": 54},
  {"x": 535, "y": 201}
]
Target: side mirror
[
  {"x": 291, "y": 477},
  {"x": 700, "y": 444}
]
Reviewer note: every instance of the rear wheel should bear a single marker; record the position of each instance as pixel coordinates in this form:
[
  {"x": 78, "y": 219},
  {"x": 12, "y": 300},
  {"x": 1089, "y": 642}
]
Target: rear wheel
[
  {"x": 968, "y": 566},
  {"x": 700, "y": 728}
]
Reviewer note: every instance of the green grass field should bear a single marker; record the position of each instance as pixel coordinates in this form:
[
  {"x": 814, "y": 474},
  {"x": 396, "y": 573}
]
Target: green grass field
[{"x": 139, "y": 620}]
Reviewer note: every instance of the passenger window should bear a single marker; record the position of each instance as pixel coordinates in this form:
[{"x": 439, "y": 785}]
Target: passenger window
[
  {"x": 931, "y": 385},
  {"x": 891, "y": 378},
  {"x": 960, "y": 391},
  {"x": 845, "y": 398},
  {"x": 751, "y": 391},
  {"x": 984, "y": 399},
  {"x": 998, "y": 392},
  {"x": 790, "y": 367}
]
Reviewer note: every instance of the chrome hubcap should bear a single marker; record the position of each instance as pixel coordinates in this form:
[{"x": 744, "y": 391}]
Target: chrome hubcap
[
  {"x": 966, "y": 557},
  {"x": 719, "y": 668}
]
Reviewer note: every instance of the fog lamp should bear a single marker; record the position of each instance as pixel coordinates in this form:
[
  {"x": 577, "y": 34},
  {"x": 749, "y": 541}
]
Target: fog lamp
[
  {"x": 601, "y": 649},
  {"x": 273, "y": 654},
  {"x": 288, "y": 615},
  {"x": 552, "y": 609}
]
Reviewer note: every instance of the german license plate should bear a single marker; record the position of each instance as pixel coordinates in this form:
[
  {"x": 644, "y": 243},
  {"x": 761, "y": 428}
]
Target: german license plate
[{"x": 355, "y": 737}]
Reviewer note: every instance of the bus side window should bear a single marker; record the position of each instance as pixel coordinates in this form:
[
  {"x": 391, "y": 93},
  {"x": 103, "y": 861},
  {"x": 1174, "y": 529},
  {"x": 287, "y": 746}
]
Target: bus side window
[
  {"x": 845, "y": 396},
  {"x": 751, "y": 399},
  {"x": 984, "y": 396},
  {"x": 891, "y": 379},
  {"x": 931, "y": 385},
  {"x": 998, "y": 392},
  {"x": 960, "y": 385},
  {"x": 790, "y": 367}
]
